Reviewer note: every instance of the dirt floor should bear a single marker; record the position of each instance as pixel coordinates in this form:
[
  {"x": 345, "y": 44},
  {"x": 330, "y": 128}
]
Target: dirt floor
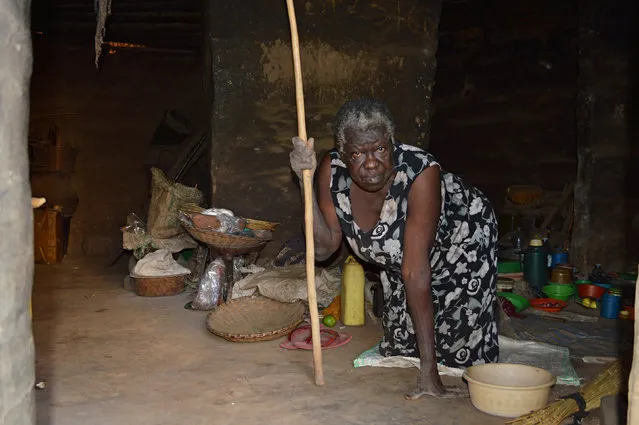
[{"x": 111, "y": 357}]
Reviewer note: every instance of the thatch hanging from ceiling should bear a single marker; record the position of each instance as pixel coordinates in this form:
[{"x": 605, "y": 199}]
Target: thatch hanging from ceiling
[{"x": 103, "y": 9}]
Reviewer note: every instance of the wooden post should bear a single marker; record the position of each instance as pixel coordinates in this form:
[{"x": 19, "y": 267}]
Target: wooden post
[
  {"x": 17, "y": 403},
  {"x": 426, "y": 78},
  {"x": 603, "y": 115},
  {"x": 633, "y": 382}
]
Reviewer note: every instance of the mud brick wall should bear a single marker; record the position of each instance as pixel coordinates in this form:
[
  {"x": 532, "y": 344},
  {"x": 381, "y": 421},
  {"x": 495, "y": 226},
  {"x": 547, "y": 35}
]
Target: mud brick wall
[{"x": 505, "y": 91}]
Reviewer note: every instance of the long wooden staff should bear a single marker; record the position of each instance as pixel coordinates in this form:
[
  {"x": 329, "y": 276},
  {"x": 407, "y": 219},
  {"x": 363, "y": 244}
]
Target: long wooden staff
[{"x": 307, "y": 181}]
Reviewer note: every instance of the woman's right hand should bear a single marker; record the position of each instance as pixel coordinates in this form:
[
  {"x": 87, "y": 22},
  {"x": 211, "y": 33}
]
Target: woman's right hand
[{"x": 303, "y": 156}]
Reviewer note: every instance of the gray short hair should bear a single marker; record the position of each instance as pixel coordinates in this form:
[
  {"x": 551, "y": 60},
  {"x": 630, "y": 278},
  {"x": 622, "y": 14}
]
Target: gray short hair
[{"x": 362, "y": 114}]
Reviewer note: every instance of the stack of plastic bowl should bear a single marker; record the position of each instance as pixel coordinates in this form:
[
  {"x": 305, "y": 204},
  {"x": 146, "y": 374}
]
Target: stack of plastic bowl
[{"x": 560, "y": 292}]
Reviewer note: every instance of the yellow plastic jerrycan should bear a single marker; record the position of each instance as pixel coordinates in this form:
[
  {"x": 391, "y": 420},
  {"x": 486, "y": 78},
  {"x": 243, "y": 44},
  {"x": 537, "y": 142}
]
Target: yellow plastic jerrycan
[{"x": 352, "y": 293}]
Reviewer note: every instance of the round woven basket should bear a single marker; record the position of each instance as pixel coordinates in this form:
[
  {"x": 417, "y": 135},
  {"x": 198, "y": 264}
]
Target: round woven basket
[
  {"x": 193, "y": 210},
  {"x": 162, "y": 286},
  {"x": 256, "y": 319},
  {"x": 224, "y": 240}
]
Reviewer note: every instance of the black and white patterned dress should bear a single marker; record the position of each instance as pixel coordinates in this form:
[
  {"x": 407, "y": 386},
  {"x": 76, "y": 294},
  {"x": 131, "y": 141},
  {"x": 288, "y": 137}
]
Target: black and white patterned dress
[{"x": 463, "y": 261}]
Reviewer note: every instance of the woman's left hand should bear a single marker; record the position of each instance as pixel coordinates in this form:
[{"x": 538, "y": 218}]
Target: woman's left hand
[{"x": 431, "y": 385}]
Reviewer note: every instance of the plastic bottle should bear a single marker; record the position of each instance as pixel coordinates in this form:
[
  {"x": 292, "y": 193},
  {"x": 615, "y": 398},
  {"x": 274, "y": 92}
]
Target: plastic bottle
[
  {"x": 518, "y": 240},
  {"x": 598, "y": 275},
  {"x": 536, "y": 264},
  {"x": 352, "y": 293}
]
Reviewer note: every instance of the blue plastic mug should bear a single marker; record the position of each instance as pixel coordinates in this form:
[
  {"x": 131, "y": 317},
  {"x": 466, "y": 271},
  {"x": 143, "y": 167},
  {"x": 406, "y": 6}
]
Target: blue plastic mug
[{"x": 610, "y": 306}]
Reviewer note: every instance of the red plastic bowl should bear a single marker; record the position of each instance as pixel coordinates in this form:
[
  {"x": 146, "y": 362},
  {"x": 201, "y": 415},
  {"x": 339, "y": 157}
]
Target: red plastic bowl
[
  {"x": 548, "y": 304},
  {"x": 590, "y": 291}
]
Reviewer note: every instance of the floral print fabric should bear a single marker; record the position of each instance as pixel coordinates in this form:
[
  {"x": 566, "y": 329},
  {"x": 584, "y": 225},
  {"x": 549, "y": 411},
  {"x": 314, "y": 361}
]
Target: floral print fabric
[{"x": 463, "y": 261}]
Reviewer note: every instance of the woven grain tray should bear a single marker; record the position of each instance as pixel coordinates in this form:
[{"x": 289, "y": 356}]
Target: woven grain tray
[
  {"x": 224, "y": 240},
  {"x": 254, "y": 319}
]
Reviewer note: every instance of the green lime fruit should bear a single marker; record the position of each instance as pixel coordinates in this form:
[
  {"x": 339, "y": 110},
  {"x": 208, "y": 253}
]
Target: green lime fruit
[{"x": 329, "y": 320}]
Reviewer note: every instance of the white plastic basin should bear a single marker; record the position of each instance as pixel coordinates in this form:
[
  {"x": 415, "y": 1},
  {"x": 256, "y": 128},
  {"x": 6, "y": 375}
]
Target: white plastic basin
[{"x": 508, "y": 390}]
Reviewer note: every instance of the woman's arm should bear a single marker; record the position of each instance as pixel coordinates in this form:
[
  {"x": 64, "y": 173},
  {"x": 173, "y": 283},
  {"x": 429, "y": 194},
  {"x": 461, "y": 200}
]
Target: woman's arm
[
  {"x": 326, "y": 228},
  {"x": 424, "y": 202}
]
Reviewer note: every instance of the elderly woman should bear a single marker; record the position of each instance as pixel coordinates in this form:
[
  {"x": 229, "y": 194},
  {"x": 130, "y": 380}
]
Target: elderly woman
[{"x": 433, "y": 235}]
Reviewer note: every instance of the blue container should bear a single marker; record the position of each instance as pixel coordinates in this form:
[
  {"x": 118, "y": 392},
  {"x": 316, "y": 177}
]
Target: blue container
[
  {"x": 559, "y": 258},
  {"x": 610, "y": 306}
]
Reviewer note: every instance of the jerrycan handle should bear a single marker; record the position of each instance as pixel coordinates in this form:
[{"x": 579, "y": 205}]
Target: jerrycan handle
[{"x": 351, "y": 260}]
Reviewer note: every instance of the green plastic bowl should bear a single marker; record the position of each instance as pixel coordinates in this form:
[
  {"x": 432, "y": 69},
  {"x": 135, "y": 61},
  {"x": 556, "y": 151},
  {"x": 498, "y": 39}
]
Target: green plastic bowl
[
  {"x": 508, "y": 267},
  {"x": 558, "y": 291},
  {"x": 520, "y": 303}
]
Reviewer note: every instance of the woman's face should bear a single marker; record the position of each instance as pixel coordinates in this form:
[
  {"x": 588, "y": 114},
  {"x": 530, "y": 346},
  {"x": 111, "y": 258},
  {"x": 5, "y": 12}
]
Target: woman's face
[{"x": 369, "y": 158}]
